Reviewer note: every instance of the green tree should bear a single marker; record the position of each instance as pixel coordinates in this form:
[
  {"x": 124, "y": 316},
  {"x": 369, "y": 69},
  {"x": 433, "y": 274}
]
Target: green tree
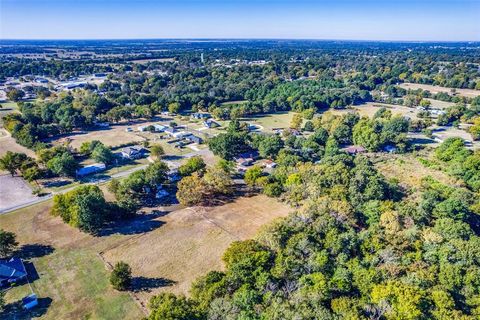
[
  {"x": 228, "y": 145},
  {"x": 63, "y": 165},
  {"x": 12, "y": 161},
  {"x": 191, "y": 190},
  {"x": 83, "y": 207},
  {"x": 15, "y": 94},
  {"x": 157, "y": 151},
  {"x": 296, "y": 122},
  {"x": 174, "y": 107},
  {"x": 103, "y": 154},
  {"x": 269, "y": 146},
  {"x": 167, "y": 306},
  {"x": 156, "y": 173},
  {"x": 8, "y": 243},
  {"x": 193, "y": 164},
  {"x": 121, "y": 276},
  {"x": 365, "y": 135},
  {"x": 218, "y": 180},
  {"x": 252, "y": 174}
]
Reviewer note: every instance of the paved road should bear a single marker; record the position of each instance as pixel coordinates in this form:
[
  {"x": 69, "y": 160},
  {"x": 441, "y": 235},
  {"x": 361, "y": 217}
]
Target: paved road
[{"x": 172, "y": 164}]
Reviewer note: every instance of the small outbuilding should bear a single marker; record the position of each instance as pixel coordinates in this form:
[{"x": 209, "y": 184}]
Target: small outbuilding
[
  {"x": 30, "y": 302},
  {"x": 354, "y": 149},
  {"x": 92, "y": 168}
]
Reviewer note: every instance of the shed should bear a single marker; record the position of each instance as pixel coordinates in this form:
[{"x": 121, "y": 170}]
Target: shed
[
  {"x": 30, "y": 301},
  {"x": 93, "y": 168}
]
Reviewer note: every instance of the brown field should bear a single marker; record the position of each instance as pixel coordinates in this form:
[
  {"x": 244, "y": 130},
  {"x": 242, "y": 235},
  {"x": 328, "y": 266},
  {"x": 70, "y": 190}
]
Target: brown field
[
  {"x": 368, "y": 110},
  {"x": 143, "y": 61},
  {"x": 410, "y": 171},
  {"x": 7, "y": 143},
  {"x": 167, "y": 251},
  {"x": 192, "y": 241},
  {"x": 469, "y": 93},
  {"x": 114, "y": 136},
  {"x": 440, "y": 104}
]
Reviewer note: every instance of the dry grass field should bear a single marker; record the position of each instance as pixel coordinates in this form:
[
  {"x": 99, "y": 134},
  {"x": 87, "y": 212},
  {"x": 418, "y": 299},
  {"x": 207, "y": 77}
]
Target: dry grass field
[
  {"x": 166, "y": 249},
  {"x": 368, "y": 110},
  {"x": 191, "y": 241},
  {"x": 7, "y": 143},
  {"x": 469, "y": 93},
  {"x": 114, "y": 136},
  {"x": 410, "y": 171}
]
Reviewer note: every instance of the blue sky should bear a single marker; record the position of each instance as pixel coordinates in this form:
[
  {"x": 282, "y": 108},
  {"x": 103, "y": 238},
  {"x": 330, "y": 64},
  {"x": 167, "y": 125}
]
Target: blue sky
[{"x": 321, "y": 19}]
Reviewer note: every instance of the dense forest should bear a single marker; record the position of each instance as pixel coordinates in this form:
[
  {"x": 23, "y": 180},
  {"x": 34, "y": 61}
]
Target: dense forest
[{"x": 358, "y": 247}]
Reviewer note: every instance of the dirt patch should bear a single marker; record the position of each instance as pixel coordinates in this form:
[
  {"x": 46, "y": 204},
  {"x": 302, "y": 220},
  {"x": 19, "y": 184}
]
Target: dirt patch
[
  {"x": 14, "y": 191},
  {"x": 7, "y": 143}
]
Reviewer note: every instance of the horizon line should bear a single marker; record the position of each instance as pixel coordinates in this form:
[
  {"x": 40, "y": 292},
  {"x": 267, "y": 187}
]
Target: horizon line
[{"x": 241, "y": 39}]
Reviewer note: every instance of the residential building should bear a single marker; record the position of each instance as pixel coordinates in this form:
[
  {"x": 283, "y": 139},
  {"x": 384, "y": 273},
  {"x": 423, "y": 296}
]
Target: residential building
[
  {"x": 12, "y": 271},
  {"x": 354, "y": 149},
  {"x": 201, "y": 115},
  {"x": 194, "y": 139},
  {"x": 133, "y": 152},
  {"x": 210, "y": 123}
]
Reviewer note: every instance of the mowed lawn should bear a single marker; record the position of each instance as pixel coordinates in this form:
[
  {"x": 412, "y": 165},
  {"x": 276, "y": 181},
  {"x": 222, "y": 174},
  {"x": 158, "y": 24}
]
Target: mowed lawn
[{"x": 166, "y": 249}]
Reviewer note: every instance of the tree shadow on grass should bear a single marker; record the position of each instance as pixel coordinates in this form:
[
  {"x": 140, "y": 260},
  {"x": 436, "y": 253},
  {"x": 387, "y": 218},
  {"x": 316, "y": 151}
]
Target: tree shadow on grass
[
  {"x": 239, "y": 191},
  {"x": 147, "y": 284},
  {"x": 34, "y": 250},
  {"x": 172, "y": 157},
  {"x": 140, "y": 224},
  {"x": 15, "y": 311}
]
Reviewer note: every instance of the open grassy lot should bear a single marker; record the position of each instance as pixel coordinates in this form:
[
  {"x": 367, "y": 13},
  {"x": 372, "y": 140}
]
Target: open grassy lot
[
  {"x": 440, "y": 104},
  {"x": 7, "y": 107},
  {"x": 191, "y": 241},
  {"x": 368, "y": 110},
  {"x": 114, "y": 136},
  {"x": 469, "y": 93},
  {"x": 167, "y": 250},
  {"x": 7, "y": 143},
  {"x": 409, "y": 171},
  {"x": 270, "y": 121}
]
